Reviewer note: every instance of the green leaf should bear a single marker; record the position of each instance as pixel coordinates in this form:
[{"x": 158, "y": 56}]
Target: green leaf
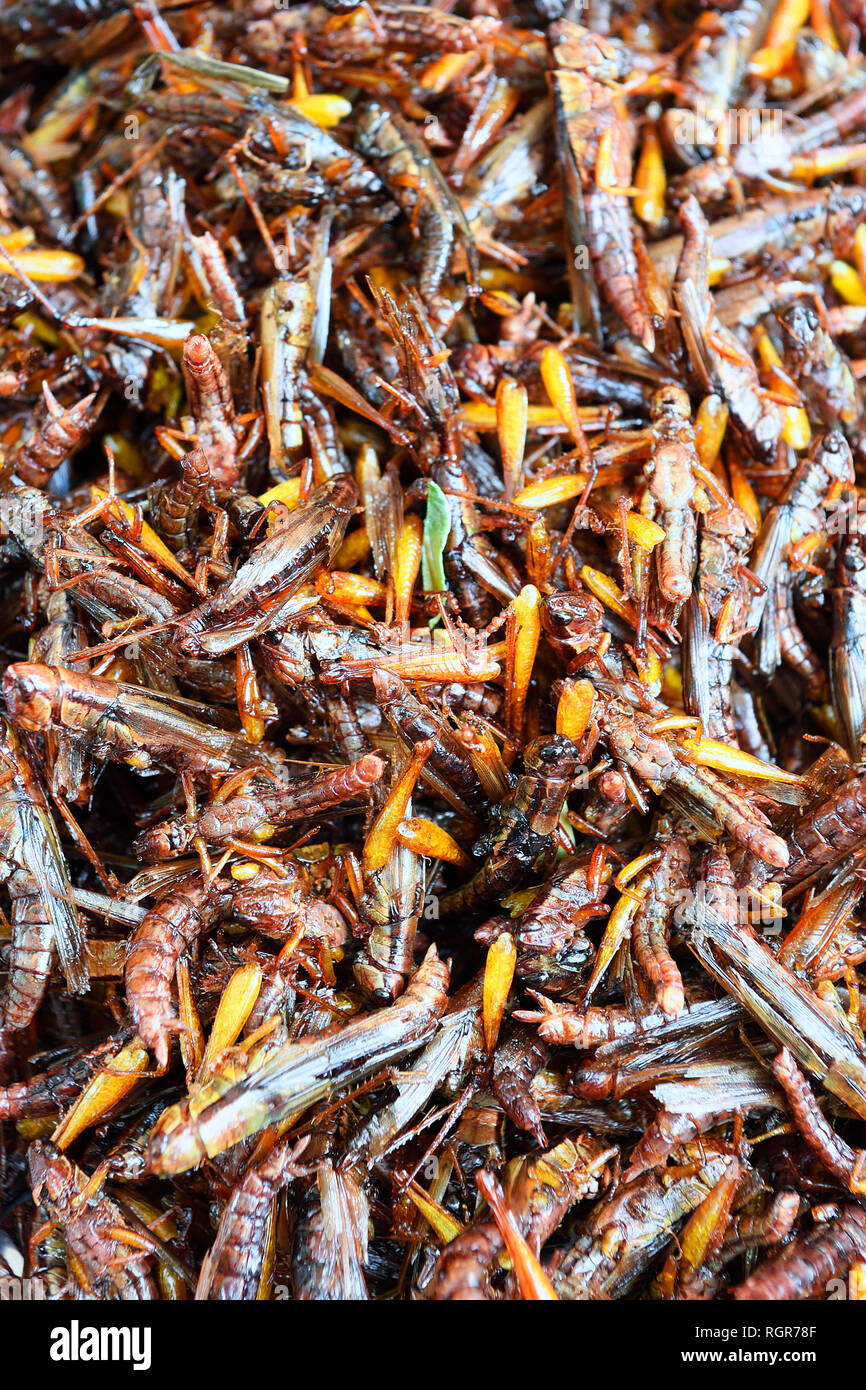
[{"x": 437, "y": 527}]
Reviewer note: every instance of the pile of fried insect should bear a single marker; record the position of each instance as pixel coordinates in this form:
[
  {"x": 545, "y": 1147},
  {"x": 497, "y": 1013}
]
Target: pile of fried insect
[{"x": 432, "y": 818}]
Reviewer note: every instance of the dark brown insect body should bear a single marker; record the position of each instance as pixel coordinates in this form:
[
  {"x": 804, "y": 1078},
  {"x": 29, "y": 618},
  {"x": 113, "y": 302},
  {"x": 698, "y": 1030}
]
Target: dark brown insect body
[{"x": 258, "y": 595}]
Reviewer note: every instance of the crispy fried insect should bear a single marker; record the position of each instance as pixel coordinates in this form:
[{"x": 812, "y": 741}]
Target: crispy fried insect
[
  {"x": 108, "y": 1257},
  {"x": 650, "y": 757},
  {"x": 174, "y": 506},
  {"x": 626, "y": 1231},
  {"x": 716, "y": 618},
  {"x": 847, "y": 681},
  {"x": 413, "y": 177},
  {"x": 46, "y": 1092},
  {"x": 45, "y": 924},
  {"x": 672, "y": 485},
  {"x": 830, "y": 830},
  {"x": 414, "y": 722},
  {"x": 816, "y": 482},
  {"x": 668, "y": 882},
  {"x": 823, "y": 373},
  {"x": 257, "y": 815},
  {"x": 550, "y": 934},
  {"x": 212, "y": 408},
  {"x": 524, "y": 824},
  {"x": 125, "y": 724},
  {"x": 330, "y": 1239},
  {"x": 715, "y": 353},
  {"x": 291, "y": 1077},
  {"x": 595, "y": 136},
  {"x": 834, "y": 1153},
  {"x": 589, "y": 1028},
  {"x": 68, "y": 769},
  {"x": 517, "y": 1061},
  {"x": 540, "y": 1191},
  {"x": 60, "y": 435},
  {"x": 807, "y": 1267},
  {"x": 169, "y": 929},
  {"x": 790, "y": 1011},
  {"x": 238, "y": 1264}
]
